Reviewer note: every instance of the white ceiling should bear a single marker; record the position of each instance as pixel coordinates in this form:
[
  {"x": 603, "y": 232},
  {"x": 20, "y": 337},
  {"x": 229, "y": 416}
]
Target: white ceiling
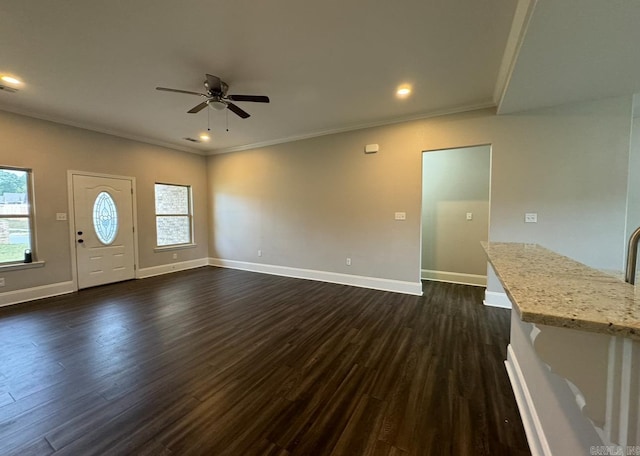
[
  {"x": 576, "y": 50},
  {"x": 327, "y": 66}
]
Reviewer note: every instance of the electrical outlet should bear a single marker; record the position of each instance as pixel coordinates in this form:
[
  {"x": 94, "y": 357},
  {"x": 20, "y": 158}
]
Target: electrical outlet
[
  {"x": 259, "y": 252},
  {"x": 348, "y": 261},
  {"x": 469, "y": 215},
  {"x": 400, "y": 215},
  {"x": 175, "y": 256},
  {"x": 531, "y": 217},
  {"x": 61, "y": 216},
  {"x": 2, "y": 282}
]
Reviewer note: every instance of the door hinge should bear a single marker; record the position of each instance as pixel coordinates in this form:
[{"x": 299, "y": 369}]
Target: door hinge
[
  {"x": 135, "y": 267},
  {"x": 132, "y": 191},
  {"x": 133, "y": 228}
]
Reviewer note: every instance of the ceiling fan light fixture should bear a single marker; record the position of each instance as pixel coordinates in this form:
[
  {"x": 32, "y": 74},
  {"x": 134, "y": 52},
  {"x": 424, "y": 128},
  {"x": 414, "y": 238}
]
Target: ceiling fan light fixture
[
  {"x": 218, "y": 105},
  {"x": 205, "y": 137}
]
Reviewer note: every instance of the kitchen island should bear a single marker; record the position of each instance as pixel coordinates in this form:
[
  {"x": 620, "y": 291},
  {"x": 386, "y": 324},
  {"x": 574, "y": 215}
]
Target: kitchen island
[{"x": 574, "y": 354}]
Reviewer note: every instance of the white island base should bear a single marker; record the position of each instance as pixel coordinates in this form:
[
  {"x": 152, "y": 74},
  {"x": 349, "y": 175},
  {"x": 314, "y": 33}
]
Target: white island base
[
  {"x": 574, "y": 354},
  {"x": 578, "y": 392}
]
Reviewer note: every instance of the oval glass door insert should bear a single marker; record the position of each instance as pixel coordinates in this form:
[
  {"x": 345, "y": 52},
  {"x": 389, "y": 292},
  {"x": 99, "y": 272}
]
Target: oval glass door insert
[{"x": 105, "y": 218}]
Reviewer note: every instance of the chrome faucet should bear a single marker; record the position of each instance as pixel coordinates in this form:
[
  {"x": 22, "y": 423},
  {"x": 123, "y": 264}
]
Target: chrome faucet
[{"x": 632, "y": 257}]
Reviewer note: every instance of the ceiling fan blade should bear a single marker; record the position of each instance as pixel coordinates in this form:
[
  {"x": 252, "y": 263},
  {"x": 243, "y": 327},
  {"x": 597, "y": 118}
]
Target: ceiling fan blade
[
  {"x": 180, "y": 91},
  {"x": 214, "y": 83},
  {"x": 254, "y": 98},
  {"x": 198, "y": 108},
  {"x": 240, "y": 112}
]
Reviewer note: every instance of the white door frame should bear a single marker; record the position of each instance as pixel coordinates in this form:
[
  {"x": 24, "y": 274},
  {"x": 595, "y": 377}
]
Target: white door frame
[
  {"x": 440, "y": 149},
  {"x": 72, "y": 222}
]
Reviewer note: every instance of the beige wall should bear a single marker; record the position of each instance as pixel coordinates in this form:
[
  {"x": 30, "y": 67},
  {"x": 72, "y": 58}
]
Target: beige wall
[
  {"x": 311, "y": 203},
  {"x": 633, "y": 200},
  {"x": 455, "y": 182},
  {"x": 51, "y": 149}
]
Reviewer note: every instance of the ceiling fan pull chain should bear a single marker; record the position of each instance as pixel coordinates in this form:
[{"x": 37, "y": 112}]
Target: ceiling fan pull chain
[{"x": 227, "y": 113}]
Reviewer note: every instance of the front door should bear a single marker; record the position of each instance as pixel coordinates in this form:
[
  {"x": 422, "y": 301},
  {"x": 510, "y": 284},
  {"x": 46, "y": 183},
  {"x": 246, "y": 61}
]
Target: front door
[{"x": 103, "y": 219}]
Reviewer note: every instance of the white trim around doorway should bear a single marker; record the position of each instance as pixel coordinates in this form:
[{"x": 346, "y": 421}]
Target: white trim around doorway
[{"x": 72, "y": 227}]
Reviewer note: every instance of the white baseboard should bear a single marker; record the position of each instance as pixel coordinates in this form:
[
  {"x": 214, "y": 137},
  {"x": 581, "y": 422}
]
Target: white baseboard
[
  {"x": 495, "y": 299},
  {"x": 535, "y": 434},
  {"x": 454, "y": 277},
  {"x": 397, "y": 286},
  {"x": 172, "y": 267},
  {"x": 41, "y": 292}
]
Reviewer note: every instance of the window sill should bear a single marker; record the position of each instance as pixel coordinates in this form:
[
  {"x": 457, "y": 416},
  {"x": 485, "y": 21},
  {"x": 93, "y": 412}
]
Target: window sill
[
  {"x": 18, "y": 266},
  {"x": 174, "y": 247}
]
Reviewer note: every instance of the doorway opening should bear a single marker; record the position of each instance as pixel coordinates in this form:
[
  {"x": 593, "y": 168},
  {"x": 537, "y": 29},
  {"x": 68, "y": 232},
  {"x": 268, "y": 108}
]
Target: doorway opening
[{"x": 455, "y": 214}]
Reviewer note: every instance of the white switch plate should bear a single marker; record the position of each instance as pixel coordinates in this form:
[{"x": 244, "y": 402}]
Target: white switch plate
[
  {"x": 371, "y": 148},
  {"x": 348, "y": 261},
  {"x": 401, "y": 216},
  {"x": 61, "y": 216},
  {"x": 469, "y": 215},
  {"x": 259, "y": 252},
  {"x": 2, "y": 282},
  {"x": 531, "y": 217},
  {"x": 175, "y": 256}
]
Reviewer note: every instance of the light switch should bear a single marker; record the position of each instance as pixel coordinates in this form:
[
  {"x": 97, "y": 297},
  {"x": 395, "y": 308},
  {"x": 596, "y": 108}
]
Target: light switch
[
  {"x": 401, "y": 216},
  {"x": 469, "y": 215},
  {"x": 61, "y": 216}
]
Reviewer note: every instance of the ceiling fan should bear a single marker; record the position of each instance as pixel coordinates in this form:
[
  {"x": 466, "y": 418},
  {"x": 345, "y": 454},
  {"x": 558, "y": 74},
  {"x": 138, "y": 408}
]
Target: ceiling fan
[{"x": 216, "y": 96}]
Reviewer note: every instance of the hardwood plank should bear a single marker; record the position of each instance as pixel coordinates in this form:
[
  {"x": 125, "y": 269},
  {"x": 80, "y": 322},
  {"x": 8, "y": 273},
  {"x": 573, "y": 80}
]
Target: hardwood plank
[
  {"x": 5, "y": 399},
  {"x": 217, "y": 361},
  {"x": 35, "y": 423},
  {"x": 360, "y": 433},
  {"x": 38, "y": 447}
]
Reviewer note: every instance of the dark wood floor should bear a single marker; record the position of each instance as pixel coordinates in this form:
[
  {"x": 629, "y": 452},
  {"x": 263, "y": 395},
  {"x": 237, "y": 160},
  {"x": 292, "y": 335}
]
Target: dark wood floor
[{"x": 222, "y": 362}]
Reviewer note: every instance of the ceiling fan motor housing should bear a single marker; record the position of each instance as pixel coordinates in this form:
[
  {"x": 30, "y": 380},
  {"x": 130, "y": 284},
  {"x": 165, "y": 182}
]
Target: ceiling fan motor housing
[{"x": 224, "y": 87}]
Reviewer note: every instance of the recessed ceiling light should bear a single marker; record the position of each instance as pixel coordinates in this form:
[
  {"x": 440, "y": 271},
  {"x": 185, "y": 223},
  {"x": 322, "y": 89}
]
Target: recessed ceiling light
[
  {"x": 11, "y": 80},
  {"x": 205, "y": 137},
  {"x": 403, "y": 91}
]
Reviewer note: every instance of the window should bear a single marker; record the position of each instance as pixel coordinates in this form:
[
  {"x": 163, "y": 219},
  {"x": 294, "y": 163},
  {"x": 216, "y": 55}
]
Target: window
[
  {"x": 105, "y": 218},
  {"x": 173, "y": 215},
  {"x": 16, "y": 215}
]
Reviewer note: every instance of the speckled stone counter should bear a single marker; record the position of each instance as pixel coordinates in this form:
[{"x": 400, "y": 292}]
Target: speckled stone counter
[{"x": 551, "y": 289}]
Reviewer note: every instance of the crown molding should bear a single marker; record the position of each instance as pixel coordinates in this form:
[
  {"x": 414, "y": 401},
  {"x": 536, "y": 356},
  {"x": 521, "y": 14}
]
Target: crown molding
[
  {"x": 90, "y": 127},
  {"x": 519, "y": 26},
  {"x": 425, "y": 115}
]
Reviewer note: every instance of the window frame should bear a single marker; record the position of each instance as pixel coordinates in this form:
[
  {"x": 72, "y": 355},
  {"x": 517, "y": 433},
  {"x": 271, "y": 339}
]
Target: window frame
[
  {"x": 189, "y": 216},
  {"x": 30, "y": 216}
]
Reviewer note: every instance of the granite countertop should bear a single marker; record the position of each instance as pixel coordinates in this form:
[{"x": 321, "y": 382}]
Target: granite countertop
[{"x": 551, "y": 289}]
